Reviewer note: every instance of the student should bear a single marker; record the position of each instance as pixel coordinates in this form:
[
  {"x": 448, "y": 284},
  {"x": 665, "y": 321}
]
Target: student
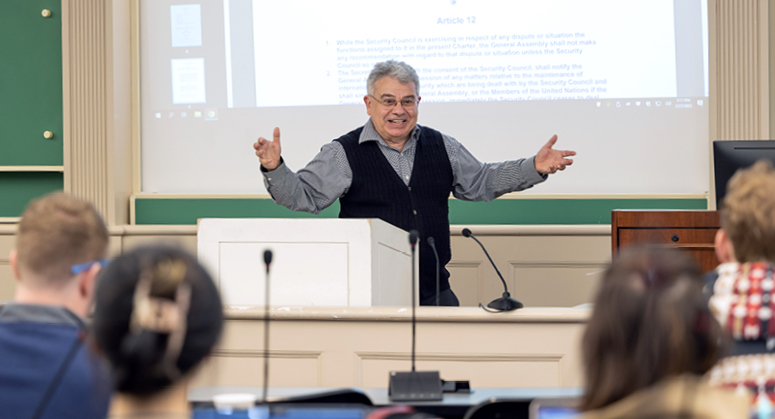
[
  {"x": 742, "y": 285},
  {"x": 47, "y": 367},
  {"x": 158, "y": 314},
  {"x": 649, "y": 342}
]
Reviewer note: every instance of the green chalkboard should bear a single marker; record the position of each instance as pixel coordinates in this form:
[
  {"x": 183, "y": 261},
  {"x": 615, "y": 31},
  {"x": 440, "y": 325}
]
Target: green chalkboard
[
  {"x": 30, "y": 83},
  {"x": 501, "y": 211},
  {"x": 18, "y": 189}
]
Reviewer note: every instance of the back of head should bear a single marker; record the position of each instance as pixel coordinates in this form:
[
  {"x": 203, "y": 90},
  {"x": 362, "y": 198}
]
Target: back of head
[
  {"x": 748, "y": 213},
  {"x": 157, "y": 315},
  {"x": 399, "y": 70},
  {"x": 650, "y": 322},
  {"x": 56, "y": 232}
]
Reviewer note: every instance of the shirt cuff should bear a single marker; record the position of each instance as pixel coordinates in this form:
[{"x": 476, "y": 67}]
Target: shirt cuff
[
  {"x": 265, "y": 170},
  {"x": 278, "y": 176},
  {"x": 528, "y": 169}
]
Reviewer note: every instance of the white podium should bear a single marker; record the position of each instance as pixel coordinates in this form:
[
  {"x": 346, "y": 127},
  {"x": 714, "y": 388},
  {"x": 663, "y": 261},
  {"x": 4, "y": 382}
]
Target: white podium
[{"x": 316, "y": 262}]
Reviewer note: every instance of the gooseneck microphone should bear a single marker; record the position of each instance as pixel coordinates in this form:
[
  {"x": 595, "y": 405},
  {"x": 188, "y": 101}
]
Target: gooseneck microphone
[
  {"x": 413, "y": 235},
  {"x": 414, "y": 385},
  {"x": 432, "y": 243},
  {"x": 505, "y": 303},
  {"x": 267, "y": 263}
]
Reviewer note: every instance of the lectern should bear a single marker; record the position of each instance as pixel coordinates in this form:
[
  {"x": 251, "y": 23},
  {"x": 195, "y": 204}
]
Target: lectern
[
  {"x": 690, "y": 231},
  {"x": 317, "y": 262}
]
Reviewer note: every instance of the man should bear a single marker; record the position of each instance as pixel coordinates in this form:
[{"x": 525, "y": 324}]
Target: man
[
  {"x": 360, "y": 170},
  {"x": 47, "y": 369}
]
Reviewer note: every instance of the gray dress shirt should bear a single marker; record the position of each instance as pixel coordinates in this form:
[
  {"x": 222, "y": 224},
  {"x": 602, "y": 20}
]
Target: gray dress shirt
[{"x": 328, "y": 176}]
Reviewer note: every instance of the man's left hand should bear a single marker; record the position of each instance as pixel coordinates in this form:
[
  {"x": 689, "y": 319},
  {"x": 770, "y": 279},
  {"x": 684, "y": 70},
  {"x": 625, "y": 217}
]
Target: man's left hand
[{"x": 549, "y": 160}]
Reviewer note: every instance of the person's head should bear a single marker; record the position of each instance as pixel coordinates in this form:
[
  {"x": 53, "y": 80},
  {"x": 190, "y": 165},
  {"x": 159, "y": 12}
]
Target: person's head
[
  {"x": 393, "y": 100},
  {"x": 747, "y": 231},
  {"x": 650, "y": 322},
  {"x": 157, "y": 315},
  {"x": 55, "y": 234}
]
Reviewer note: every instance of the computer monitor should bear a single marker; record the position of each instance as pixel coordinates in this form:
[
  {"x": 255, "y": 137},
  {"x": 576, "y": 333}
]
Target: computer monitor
[{"x": 730, "y": 156}]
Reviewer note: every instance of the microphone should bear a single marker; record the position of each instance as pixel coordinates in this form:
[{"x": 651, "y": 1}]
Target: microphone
[
  {"x": 267, "y": 262},
  {"x": 267, "y": 259},
  {"x": 414, "y": 385},
  {"x": 432, "y": 243},
  {"x": 413, "y": 235},
  {"x": 505, "y": 303}
]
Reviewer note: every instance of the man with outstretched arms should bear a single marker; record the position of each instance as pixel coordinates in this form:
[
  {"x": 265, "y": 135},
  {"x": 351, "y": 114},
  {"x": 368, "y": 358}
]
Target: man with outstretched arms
[{"x": 398, "y": 171}]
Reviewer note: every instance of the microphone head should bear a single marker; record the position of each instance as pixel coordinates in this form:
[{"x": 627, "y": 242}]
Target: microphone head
[
  {"x": 413, "y": 235},
  {"x": 430, "y": 241},
  {"x": 267, "y": 257},
  {"x": 467, "y": 233}
]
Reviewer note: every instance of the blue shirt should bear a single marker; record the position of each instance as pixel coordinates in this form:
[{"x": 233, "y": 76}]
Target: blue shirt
[{"x": 46, "y": 365}]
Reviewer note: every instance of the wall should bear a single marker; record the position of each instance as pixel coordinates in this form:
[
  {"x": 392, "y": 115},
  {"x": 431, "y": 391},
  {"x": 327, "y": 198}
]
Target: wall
[{"x": 555, "y": 266}]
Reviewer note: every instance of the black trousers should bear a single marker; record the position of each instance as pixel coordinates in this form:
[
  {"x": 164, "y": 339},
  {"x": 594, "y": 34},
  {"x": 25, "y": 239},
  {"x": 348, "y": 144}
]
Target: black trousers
[{"x": 446, "y": 298}]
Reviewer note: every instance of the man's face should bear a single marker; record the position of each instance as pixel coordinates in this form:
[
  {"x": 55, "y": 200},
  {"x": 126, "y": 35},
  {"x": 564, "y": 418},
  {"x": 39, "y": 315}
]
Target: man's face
[{"x": 393, "y": 123}]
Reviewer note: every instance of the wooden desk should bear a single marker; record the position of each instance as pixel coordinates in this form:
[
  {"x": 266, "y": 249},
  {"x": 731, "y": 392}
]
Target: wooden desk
[
  {"x": 690, "y": 231},
  {"x": 344, "y": 347}
]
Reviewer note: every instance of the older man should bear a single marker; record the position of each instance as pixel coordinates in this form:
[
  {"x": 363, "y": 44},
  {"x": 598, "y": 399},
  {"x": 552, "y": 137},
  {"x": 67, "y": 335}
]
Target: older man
[
  {"x": 47, "y": 367},
  {"x": 400, "y": 172}
]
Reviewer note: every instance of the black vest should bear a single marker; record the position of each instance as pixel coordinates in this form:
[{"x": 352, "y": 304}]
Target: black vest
[{"x": 378, "y": 192}]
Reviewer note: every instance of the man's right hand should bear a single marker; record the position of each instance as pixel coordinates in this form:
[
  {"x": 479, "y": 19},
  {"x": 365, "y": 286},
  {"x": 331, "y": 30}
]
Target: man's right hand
[{"x": 268, "y": 152}]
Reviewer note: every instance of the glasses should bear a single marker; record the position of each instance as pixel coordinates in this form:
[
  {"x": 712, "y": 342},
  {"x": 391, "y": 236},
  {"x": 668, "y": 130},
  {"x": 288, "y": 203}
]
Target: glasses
[
  {"x": 407, "y": 103},
  {"x": 83, "y": 267}
]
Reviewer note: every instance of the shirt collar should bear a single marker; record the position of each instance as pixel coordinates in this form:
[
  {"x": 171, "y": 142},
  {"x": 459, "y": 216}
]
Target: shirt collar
[
  {"x": 370, "y": 133},
  {"x": 33, "y": 313}
]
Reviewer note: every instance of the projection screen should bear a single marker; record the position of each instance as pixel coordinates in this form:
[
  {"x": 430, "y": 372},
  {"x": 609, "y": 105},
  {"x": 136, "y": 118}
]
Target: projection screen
[{"x": 624, "y": 83}]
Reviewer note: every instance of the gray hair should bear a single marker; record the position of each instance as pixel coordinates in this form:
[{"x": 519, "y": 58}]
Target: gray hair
[{"x": 402, "y": 71}]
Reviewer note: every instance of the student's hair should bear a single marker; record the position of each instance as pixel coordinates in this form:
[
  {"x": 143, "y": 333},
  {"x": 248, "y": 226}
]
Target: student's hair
[
  {"x": 149, "y": 352},
  {"x": 650, "y": 322},
  {"x": 748, "y": 213},
  {"x": 56, "y": 232},
  {"x": 402, "y": 72}
]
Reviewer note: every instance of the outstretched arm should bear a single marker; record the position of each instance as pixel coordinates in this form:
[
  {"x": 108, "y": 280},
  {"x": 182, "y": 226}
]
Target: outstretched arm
[
  {"x": 476, "y": 181},
  {"x": 549, "y": 160}
]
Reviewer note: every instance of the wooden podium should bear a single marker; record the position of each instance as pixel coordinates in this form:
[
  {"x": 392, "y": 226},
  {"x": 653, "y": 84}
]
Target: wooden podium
[{"x": 690, "y": 231}]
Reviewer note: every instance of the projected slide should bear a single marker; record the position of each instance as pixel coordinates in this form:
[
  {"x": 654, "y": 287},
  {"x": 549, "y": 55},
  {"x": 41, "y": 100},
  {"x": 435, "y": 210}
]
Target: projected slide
[
  {"x": 466, "y": 51},
  {"x": 622, "y": 82}
]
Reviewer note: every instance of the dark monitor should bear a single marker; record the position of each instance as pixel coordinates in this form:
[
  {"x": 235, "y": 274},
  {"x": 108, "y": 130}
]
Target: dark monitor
[{"x": 730, "y": 156}]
